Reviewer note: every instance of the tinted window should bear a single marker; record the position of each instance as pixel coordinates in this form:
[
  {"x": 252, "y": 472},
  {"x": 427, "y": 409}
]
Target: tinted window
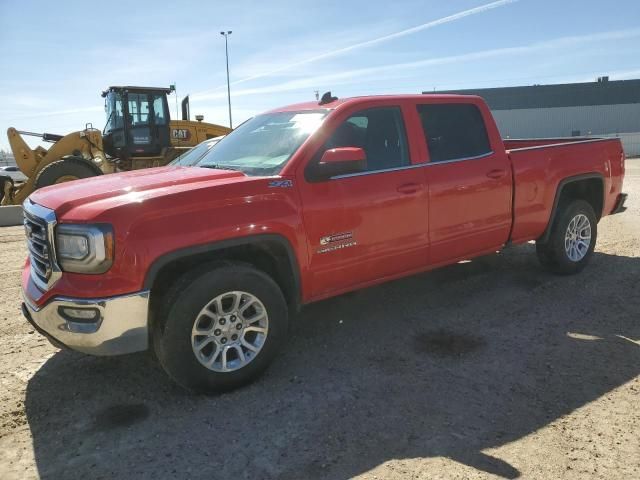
[
  {"x": 379, "y": 132},
  {"x": 454, "y": 131}
]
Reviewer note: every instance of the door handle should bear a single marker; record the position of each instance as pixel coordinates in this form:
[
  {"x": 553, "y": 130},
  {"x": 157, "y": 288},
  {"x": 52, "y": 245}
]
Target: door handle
[
  {"x": 409, "y": 188},
  {"x": 496, "y": 174}
]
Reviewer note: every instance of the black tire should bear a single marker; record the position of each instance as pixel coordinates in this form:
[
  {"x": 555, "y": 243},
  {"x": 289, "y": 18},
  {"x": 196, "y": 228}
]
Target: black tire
[
  {"x": 183, "y": 303},
  {"x": 68, "y": 166},
  {"x": 553, "y": 254}
]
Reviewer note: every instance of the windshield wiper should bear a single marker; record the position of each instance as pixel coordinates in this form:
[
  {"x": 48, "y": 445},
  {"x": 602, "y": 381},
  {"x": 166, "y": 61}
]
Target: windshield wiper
[
  {"x": 216, "y": 166},
  {"x": 107, "y": 123}
]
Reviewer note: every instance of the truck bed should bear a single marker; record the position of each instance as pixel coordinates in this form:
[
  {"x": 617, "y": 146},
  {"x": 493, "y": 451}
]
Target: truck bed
[{"x": 540, "y": 165}]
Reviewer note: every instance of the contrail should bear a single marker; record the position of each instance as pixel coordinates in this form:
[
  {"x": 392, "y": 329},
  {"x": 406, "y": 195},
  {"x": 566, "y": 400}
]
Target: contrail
[
  {"x": 375, "y": 41},
  {"x": 345, "y": 76}
]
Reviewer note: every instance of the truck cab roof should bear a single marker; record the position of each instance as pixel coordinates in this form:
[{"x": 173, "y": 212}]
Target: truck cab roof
[{"x": 368, "y": 99}]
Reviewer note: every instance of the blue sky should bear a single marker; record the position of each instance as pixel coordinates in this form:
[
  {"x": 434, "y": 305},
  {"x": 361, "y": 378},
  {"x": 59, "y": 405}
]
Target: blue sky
[{"x": 56, "y": 60}]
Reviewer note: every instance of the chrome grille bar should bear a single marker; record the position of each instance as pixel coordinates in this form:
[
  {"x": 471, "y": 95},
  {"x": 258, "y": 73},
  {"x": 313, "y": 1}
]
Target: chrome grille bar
[
  {"x": 41, "y": 255},
  {"x": 39, "y": 224}
]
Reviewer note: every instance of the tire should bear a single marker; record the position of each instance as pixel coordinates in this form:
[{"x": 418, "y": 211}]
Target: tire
[
  {"x": 564, "y": 253},
  {"x": 190, "y": 302},
  {"x": 67, "y": 167}
]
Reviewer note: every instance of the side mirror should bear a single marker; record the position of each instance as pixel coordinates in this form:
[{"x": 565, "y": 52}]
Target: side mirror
[{"x": 341, "y": 161}]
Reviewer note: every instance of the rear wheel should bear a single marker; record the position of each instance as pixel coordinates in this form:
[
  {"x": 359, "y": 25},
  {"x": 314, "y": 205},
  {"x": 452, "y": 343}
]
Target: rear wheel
[
  {"x": 572, "y": 239},
  {"x": 65, "y": 170},
  {"x": 223, "y": 327}
]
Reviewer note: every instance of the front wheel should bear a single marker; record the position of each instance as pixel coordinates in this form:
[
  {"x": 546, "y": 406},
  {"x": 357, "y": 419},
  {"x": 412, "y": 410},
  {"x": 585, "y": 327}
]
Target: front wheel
[
  {"x": 572, "y": 239},
  {"x": 222, "y": 329}
]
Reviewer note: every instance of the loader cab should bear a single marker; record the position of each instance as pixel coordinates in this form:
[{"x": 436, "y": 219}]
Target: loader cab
[{"x": 137, "y": 121}]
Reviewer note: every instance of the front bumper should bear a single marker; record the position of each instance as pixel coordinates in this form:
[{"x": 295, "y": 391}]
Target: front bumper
[{"x": 120, "y": 324}]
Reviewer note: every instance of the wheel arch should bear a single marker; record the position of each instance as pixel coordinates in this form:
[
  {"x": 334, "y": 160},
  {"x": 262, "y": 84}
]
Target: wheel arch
[
  {"x": 587, "y": 186},
  {"x": 270, "y": 253}
]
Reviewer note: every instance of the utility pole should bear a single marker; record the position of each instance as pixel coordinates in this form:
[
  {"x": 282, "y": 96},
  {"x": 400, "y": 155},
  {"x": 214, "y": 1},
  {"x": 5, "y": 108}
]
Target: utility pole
[{"x": 226, "y": 51}]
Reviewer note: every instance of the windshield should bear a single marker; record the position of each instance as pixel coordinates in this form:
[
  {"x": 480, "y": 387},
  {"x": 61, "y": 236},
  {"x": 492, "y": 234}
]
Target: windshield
[
  {"x": 192, "y": 156},
  {"x": 264, "y": 144},
  {"x": 113, "y": 109}
]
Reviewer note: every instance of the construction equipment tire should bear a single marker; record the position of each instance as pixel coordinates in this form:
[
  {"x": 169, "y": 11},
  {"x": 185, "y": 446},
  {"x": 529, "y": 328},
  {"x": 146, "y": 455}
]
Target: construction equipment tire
[{"x": 65, "y": 170}]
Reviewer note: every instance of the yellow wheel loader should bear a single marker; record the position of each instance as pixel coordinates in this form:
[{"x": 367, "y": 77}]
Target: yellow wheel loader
[{"x": 138, "y": 134}]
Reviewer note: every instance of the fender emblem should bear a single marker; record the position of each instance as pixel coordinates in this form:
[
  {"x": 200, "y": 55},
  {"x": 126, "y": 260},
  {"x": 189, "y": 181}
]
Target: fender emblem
[
  {"x": 337, "y": 241},
  {"x": 338, "y": 237},
  {"x": 281, "y": 184}
]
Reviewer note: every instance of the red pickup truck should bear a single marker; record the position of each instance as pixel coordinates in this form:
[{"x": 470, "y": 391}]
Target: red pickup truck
[{"x": 205, "y": 264}]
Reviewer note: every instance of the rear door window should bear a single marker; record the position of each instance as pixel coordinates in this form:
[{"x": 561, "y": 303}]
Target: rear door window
[{"x": 454, "y": 131}]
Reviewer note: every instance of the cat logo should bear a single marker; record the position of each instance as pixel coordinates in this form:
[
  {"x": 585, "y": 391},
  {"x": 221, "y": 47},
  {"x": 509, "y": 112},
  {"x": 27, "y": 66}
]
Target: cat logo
[{"x": 180, "y": 134}]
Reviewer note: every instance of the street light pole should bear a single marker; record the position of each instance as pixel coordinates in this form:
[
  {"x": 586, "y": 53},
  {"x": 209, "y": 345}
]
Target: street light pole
[{"x": 226, "y": 51}]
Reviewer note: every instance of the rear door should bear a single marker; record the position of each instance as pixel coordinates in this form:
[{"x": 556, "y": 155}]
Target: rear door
[
  {"x": 363, "y": 227},
  {"x": 469, "y": 181}
]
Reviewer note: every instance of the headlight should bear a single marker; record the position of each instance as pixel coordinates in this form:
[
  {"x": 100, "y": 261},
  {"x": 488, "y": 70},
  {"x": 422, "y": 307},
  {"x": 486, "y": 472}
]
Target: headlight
[{"x": 84, "y": 248}]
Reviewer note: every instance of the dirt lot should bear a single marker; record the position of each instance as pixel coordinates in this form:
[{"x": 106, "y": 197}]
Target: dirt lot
[{"x": 487, "y": 368}]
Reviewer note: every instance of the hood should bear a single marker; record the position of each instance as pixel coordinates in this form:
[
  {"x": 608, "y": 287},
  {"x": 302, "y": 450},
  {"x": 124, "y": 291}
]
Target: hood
[{"x": 130, "y": 187}]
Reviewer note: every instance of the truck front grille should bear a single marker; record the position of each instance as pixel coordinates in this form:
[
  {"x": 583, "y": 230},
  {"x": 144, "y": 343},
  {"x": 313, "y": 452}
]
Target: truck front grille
[{"x": 38, "y": 224}]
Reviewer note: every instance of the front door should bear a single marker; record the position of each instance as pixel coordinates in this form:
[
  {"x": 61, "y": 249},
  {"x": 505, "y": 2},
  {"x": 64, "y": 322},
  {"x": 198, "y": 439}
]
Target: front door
[
  {"x": 140, "y": 132},
  {"x": 367, "y": 226}
]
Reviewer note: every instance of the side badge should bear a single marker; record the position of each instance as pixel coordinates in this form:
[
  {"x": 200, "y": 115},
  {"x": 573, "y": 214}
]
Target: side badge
[
  {"x": 337, "y": 241},
  {"x": 281, "y": 184}
]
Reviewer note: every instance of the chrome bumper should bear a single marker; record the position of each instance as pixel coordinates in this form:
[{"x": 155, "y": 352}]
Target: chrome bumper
[{"x": 120, "y": 325}]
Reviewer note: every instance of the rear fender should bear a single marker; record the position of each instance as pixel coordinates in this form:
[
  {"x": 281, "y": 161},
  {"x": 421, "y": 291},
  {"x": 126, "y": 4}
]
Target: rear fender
[{"x": 556, "y": 201}]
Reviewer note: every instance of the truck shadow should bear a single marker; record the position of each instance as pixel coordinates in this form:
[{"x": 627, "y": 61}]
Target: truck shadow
[{"x": 445, "y": 364}]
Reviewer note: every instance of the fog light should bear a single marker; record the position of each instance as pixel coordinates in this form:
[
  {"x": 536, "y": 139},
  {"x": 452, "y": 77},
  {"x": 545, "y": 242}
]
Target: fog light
[{"x": 80, "y": 315}]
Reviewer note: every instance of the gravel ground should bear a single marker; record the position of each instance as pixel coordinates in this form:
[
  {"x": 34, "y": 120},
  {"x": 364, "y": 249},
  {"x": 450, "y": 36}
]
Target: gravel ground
[{"x": 486, "y": 369}]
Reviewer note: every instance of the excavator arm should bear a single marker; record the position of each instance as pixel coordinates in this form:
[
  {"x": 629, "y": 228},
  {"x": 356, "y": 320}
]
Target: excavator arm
[{"x": 84, "y": 148}]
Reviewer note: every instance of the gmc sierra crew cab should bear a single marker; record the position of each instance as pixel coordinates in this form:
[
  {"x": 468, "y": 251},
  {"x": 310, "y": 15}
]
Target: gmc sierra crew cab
[{"x": 206, "y": 264}]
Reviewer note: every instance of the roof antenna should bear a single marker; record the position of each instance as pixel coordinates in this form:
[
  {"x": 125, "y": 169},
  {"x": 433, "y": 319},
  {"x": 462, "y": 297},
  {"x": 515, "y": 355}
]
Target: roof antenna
[{"x": 327, "y": 98}]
